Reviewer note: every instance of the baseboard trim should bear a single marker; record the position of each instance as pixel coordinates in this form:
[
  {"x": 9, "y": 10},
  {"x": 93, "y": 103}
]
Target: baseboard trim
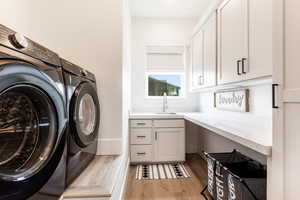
[
  {"x": 124, "y": 186},
  {"x": 201, "y": 154},
  {"x": 119, "y": 188},
  {"x": 192, "y": 148},
  {"x": 109, "y": 146}
]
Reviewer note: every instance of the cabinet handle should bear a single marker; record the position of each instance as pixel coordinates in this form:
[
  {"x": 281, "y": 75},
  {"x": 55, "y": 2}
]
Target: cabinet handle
[
  {"x": 141, "y": 154},
  {"x": 155, "y": 135},
  {"x": 141, "y": 124},
  {"x": 141, "y": 136},
  {"x": 201, "y": 80},
  {"x": 274, "y": 96},
  {"x": 243, "y": 65},
  {"x": 238, "y": 67}
]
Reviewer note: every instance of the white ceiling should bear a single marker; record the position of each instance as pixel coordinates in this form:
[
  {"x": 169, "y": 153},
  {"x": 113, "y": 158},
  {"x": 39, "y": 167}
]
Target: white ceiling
[{"x": 178, "y": 9}]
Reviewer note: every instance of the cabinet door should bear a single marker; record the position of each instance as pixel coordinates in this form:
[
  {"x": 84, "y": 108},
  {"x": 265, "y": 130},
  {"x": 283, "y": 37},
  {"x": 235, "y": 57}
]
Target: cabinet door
[
  {"x": 284, "y": 174},
  {"x": 233, "y": 40},
  {"x": 260, "y": 39},
  {"x": 197, "y": 60},
  {"x": 169, "y": 144},
  {"x": 210, "y": 51}
]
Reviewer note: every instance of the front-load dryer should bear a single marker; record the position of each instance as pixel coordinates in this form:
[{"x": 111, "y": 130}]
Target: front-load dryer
[
  {"x": 84, "y": 118},
  {"x": 33, "y": 120}
]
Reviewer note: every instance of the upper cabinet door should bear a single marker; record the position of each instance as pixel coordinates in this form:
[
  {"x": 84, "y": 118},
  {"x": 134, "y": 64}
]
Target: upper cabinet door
[
  {"x": 260, "y": 39},
  {"x": 204, "y": 55},
  {"x": 197, "y": 60},
  {"x": 233, "y": 40},
  {"x": 210, "y": 51}
]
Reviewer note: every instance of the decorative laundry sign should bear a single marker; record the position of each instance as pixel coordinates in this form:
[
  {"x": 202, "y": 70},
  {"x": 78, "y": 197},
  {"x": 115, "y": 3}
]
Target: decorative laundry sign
[{"x": 233, "y": 100}]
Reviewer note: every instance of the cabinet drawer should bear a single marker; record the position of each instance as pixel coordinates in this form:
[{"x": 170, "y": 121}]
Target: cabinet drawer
[
  {"x": 141, "y": 136},
  {"x": 140, "y": 123},
  {"x": 141, "y": 153},
  {"x": 174, "y": 123}
]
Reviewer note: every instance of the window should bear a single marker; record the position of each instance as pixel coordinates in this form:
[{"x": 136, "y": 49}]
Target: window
[
  {"x": 158, "y": 84},
  {"x": 165, "y": 71}
]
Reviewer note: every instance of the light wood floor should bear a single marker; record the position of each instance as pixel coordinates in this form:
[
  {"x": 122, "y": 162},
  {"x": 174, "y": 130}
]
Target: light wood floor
[
  {"x": 97, "y": 180},
  {"x": 170, "y": 189}
]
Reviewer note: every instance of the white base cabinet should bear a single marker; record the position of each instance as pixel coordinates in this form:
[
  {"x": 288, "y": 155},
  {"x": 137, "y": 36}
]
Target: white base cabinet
[
  {"x": 141, "y": 153},
  {"x": 169, "y": 145},
  {"x": 157, "y": 141}
]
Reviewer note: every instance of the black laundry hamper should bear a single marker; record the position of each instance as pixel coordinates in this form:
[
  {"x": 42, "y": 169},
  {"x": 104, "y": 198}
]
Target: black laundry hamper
[{"x": 234, "y": 176}]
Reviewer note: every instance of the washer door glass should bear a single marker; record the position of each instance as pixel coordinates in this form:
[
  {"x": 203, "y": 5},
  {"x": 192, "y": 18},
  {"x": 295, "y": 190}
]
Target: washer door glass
[
  {"x": 27, "y": 131},
  {"x": 87, "y": 114}
]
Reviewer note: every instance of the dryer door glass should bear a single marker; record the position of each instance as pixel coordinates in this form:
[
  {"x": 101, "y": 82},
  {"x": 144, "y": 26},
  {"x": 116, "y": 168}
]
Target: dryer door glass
[
  {"x": 87, "y": 114},
  {"x": 27, "y": 131}
]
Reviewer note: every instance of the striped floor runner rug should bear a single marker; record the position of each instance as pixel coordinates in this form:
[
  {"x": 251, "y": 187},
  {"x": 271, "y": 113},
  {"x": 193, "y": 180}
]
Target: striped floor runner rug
[{"x": 161, "y": 171}]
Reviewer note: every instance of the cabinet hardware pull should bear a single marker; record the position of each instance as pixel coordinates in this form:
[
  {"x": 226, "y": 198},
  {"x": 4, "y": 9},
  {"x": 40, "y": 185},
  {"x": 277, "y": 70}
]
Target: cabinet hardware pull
[
  {"x": 140, "y": 154},
  {"x": 140, "y": 123},
  {"x": 201, "y": 80},
  {"x": 243, "y": 65},
  {"x": 141, "y": 136},
  {"x": 155, "y": 135},
  {"x": 238, "y": 67},
  {"x": 274, "y": 96}
]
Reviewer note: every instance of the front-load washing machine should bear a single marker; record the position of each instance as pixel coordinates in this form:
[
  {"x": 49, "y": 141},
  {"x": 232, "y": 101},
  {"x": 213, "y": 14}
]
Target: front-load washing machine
[
  {"x": 33, "y": 120},
  {"x": 84, "y": 118}
]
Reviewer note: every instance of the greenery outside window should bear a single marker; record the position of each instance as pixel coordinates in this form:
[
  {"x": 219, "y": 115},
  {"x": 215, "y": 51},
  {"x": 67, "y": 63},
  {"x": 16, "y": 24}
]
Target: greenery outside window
[{"x": 158, "y": 83}]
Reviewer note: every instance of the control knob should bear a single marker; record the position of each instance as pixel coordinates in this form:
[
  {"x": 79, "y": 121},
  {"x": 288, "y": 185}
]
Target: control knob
[{"x": 19, "y": 41}]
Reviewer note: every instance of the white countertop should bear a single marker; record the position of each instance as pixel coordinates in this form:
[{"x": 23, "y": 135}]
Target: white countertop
[
  {"x": 254, "y": 133},
  {"x": 156, "y": 116}
]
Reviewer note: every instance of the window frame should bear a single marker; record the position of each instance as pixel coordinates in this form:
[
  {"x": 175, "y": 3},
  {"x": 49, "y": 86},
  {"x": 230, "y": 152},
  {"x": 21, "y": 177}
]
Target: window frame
[{"x": 183, "y": 89}]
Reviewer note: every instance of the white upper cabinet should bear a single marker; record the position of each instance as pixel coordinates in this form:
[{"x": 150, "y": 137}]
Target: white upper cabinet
[
  {"x": 260, "y": 38},
  {"x": 197, "y": 59},
  {"x": 233, "y": 40},
  {"x": 245, "y": 40},
  {"x": 234, "y": 44},
  {"x": 204, "y": 55},
  {"x": 210, "y": 51}
]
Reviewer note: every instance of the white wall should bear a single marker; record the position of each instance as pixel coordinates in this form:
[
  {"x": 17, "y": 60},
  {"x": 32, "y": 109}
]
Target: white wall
[
  {"x": 146, "y": 31},
  {"x": 16, "y": 15},
  {"x": 120, "y": 183},
  {"x": 88, "y": 33},
  {"x": 126, "y": 74}
]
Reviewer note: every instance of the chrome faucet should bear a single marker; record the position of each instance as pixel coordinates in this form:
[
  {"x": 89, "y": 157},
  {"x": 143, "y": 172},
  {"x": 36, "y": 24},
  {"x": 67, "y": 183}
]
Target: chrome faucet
[{"x": 165, "y": 102}]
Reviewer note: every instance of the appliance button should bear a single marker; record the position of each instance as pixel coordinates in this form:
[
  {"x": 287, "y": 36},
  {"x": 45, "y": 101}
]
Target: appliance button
[
  {"x": 84, "y": 72},
  {"x": 19, "y": 41}
]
